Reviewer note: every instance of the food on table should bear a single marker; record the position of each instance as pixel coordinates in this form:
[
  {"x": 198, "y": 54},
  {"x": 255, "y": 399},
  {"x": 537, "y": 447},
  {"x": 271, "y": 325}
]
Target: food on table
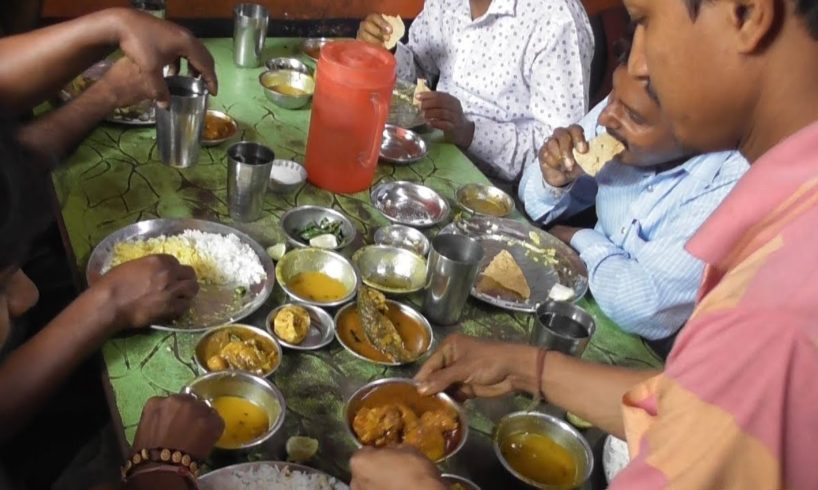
[
  {"x": 141, "y": 111},
  {"x": 577, "y": 422},
  {"x": 277, "y": 251},
  {"x": 601, "y": 150},
  {"x": 239, "y": 349},
  {"x": 420, "y": 88},
  {"x": 486, "y": 205},
  {"x": 317, "y": 286},
  {"x": 539, "y": 458},
  {"x": 270, "y": 477},
  {"x": 216, "y": 128},
  {"x": 378, "y": 328},
  {"x": 504, "y": 274},
  {"x": 217, "y": 259},
  {"x": 398, "y": 30},
  {"x": 326, "y": 226},
  {"x": 243, "y": 421},
  {"x": 291, "y": 324},
  {"x": 301, "y": 449},
  {"x": 287, "y": 90},
  {"x": 327, "y": 241},
  {"x": 561, "y": 293}
]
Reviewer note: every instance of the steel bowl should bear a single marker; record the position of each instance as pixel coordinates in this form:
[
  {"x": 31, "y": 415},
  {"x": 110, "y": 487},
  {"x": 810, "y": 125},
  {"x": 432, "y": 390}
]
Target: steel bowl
[
  {"x": 471, "y": 196},
  {"x": 390, "y": 269},
  {"x": 221, "y": 117},
  {"x": 398, "y": 386},
  {"x": 290, "y": 78},
  {"x": 244, "y": 385},
  {"x": 450, "y": 480},
  {"x": 558, "y": 430},
  {"x": 321, "y": 333},
  {"x": 286, "y": 176},
  {"x": 410, "y": 204},
  {"x": 298, "y": 218},
  {"x": 402, "y": 146},
  {"x": 317, "y": 260},
  {"x": 312, "y": 46},
  {"x": 406, "y": 310},
  {"x": 199, "y": 353},
  {"x": 404, "y": 237},
  {"x": 293, "y": 64}
]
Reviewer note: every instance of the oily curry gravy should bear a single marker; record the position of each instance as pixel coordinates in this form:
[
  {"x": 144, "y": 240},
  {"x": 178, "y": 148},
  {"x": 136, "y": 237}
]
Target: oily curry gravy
[
  {"x": 415, "y": 338},
  {"x": 317, "y": 286}
]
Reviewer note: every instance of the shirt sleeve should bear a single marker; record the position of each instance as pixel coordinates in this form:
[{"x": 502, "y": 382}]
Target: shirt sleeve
[
  {"x": 649, "y": 292},
  {"x": 418, "y": 58},
  {"x": 558, "y": 72}
]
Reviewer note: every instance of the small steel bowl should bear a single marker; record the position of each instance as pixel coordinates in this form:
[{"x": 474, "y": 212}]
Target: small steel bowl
[
  {"x": 317, "y": 260},
  {"x": 402, "y": 146},
  {"x": 479, "y": 198},
  {"x": 293, "y": 64},
  {"x": 312, "y": 46},
  {"x": 450, "y": 480},
  {"x": 558, "y": 430},
  {"x": 223, "y": 118},
  {"x": 321, "y": 333},
  {"x": 400, "y": 389},
  {"x": 289, "y": 78},
  {"x": 406, "y": 310},
  {"x": 410, "y": 204},
  {"x": 242, "y": 331},
  {"x": 391, "y": 269},
  {"x": 243, "y": 385},
  {"x": 286, "y": 176},
  {"x": 296, "y": 219},
  {"x": 404, "y": 237}
]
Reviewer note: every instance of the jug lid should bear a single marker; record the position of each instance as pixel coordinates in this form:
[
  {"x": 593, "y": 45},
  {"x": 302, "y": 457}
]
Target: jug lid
[{"x": 358, "y": 63}]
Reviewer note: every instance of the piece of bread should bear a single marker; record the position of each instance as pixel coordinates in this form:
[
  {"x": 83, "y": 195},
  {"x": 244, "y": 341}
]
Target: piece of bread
[
  {"x": 398, "y": 30},
  {"x": 601, "y": 150},
  {"x": 420, "y": 88},
  {"x": 503, "y": 270}
]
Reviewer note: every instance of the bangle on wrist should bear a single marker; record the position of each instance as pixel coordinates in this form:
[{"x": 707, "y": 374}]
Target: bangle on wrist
[{"x": 168, "y": 460}]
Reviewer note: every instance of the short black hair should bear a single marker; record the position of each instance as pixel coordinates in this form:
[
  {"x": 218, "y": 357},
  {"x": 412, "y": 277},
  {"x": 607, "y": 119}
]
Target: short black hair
[
  {"x": 23, "y": 198},
  {"x": 808, "y": 9}
]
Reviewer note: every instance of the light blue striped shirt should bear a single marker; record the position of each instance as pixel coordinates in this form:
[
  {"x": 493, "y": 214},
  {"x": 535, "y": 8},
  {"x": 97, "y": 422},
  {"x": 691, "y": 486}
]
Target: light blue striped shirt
[{"x": 639, "y": 272}]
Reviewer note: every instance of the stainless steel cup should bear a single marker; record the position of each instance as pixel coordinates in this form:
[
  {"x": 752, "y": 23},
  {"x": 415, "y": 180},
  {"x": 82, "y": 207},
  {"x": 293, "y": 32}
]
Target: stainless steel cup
[
  {"x": 563, "y": 327},
  {"x": 248, "y": 174},
  {"x": 179, "y": 127},
  {"x": 451, "y": 270},
  {"x": 249, "y": 31}
]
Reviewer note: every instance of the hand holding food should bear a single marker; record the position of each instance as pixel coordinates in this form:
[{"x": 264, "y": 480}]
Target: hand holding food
[
  {"x": 394, "y": 468},
  {"x": 178, "y": 422},
  {"x": 125, "y": 83},
  {"x": 381, "y": 30},
  {"x": 444, "y": 112},
  {"x": 557, "y": 161}
]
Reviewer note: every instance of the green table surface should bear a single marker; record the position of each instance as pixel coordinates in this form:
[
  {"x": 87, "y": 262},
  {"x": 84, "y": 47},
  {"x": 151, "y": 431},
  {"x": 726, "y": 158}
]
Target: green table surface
[{"x": 115, "y": 178}]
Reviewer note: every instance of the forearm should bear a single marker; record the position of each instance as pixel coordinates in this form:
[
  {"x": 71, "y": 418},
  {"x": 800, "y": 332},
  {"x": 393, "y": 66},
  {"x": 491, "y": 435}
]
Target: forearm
[
  {"x": 40, "y": 62},
  {"x": 34, "y": 371},
  {"x": 544, "y": 203}
]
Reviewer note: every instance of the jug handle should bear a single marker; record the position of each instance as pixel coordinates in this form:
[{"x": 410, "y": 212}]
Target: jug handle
[{"x": 381, "y": 112}]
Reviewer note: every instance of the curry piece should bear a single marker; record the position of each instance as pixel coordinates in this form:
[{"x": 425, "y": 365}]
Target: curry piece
[
  {"x": 233, "y": 352},
  {"x": 216, "y": 128},
  {"x": 291, "y": 324},
  {"x": 379, "y": 329}
]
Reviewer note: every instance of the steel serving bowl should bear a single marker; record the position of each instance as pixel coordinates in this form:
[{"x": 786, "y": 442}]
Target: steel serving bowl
[
  {"x": 410, "y": 204},
  {"x": 224, "y": 118},
  {"x": 286, "y": 176},
  {"x": 402, "y": 146},
  {"x": 356, "y": 402},
  {"x": 293, "y": 64},
  {"x": 471, "y": 197},
  {"x": 406, "y": 310},
  {"x": 450, "y": 480},
  {"x": 317, "y": 260},
  {"x": 321, "y": 333},
  {"x": 558, "y": 430},
  {"x": 312, "y": 46},
  {"x": 243, "y": 385},
  {"x": 199, "y": 353},
  {"x": 296, "y": 219},
  {"x": 391, "y": 269},
  {"x": 404, "y": 237},
  {"x": 289, "y": 78}
]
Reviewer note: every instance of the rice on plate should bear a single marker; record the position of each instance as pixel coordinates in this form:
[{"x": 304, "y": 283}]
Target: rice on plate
[{"x": 268, "y": 476}]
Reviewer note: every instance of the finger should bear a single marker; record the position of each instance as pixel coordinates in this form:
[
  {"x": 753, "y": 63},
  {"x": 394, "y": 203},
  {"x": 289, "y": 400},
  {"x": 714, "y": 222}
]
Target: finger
[
  {"x": 381, "y": 23},
  {"x": 158, "y": 89},
  {"x": 442, "y": 379},
  {"x": 554, "y": 158},
  {"x": 184, "y": 289},
  {"x": 440, "y": 114},
  {"x": 578, "y": 135},
  {"x": 374, "y": 31},
  {"x": 436, "y": 362},
  {"x": 200, "y": 60},
  {"x": 185, "y": 273},
  {"x": 444, "y": 126}
]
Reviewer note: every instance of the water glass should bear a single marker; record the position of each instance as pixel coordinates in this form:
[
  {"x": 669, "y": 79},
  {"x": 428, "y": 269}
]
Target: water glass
[
  {"x": 179, "y": 127},
  {"x": 248, "y": 175},
  {"x": 451, "y": 270},
  {"x": 249, "y": 32}
]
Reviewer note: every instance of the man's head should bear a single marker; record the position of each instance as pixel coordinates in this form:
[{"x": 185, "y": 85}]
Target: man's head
[{"x": 717, "y": 65}]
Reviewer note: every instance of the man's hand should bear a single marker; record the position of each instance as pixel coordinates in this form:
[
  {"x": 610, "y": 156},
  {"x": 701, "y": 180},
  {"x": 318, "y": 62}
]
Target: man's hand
[
  {"x": 479, "y": 368},
  {"x": 178, "y": 422},
  {"x": 564, "y": 233},
  {"x": 395, "y": 468},
  {"x": 124, "y": 84},
  {"x": 557, "y": 156},
  {"x": 443, "y": 111},
  {"x": 144, "y": 291},
  {"x": 374, "y": 30}
]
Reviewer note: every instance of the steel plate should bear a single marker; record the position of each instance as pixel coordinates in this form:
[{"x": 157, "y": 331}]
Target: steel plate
[
  {"x": 401, "y": 146},
  {"x": 220, "y": 479},
  {"x": 407, "y": 203}
]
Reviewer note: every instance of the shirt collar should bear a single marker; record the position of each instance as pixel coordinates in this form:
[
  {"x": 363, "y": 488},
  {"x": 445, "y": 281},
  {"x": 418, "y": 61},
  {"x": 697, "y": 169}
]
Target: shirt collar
[
  {"x": 770, "y": 181},
  {"x": 501, "y": 7}
]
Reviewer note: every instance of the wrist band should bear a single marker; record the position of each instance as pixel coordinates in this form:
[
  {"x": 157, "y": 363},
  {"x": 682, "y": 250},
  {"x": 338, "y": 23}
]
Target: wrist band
[
  {"x": 540, "y": 371},
  {"x": 166, "y": 457},
  {"x": 181, "y": 471}
]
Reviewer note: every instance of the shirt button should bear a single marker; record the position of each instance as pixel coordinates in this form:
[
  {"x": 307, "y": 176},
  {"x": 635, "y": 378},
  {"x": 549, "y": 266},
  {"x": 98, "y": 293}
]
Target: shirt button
[
  {"x": 650, "y": 188},
  {"x": 622, "y": 230}
]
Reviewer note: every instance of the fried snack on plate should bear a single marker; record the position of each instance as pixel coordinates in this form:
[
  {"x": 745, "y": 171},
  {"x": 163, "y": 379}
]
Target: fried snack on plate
[
  {"x": 504, "y": 271},
  {"x": 601, "y": 150},
  {"x": 398, "y": 30}
]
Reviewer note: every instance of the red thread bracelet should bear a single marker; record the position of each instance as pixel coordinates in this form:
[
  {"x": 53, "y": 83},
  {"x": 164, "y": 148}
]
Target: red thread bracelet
[{"x": 540, "y": 369}]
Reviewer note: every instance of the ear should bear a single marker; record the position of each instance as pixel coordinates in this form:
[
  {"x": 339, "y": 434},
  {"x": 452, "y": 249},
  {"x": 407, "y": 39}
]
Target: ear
[{"x": 753, "y": 21}]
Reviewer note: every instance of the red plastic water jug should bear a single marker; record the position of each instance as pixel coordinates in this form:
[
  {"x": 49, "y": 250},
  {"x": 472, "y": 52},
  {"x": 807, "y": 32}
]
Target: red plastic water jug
[{"x": 353, "y": 90}]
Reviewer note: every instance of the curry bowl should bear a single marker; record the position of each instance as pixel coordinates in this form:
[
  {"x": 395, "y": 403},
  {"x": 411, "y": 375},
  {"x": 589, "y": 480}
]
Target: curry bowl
[
  {"x": 400, "y": 396},
  {"x": 413, "y": 328},
  {"x": 219, "y": 127},
  {"x": 451, "y": 480},
  {"x": 560, "y": 456},
  {"x": 305, "y": 222},
  {"x": 484, "y": 200},
  {"x": 286, "y": 176},
  {"x": 317, "y": 277},
  {"x": 390, "y": 269},
  {"x": 229, "y": 393},
  {"x": 284, "y": 63},
  {"x": 320, "y": 332},
  {"x": 404, "y": 237},
  {"x": 288, "y": 89},
  {"x": 238, "y": 347}
]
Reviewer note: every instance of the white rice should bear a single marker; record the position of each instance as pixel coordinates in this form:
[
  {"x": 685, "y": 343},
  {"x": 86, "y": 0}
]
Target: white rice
[
  {"x": 264, "y": 477},
  {"x": 237, "y": 262}
]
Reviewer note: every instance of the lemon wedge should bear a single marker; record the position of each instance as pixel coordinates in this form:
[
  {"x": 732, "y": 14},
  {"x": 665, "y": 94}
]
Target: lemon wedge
[{"x": 277, "y": 251}]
